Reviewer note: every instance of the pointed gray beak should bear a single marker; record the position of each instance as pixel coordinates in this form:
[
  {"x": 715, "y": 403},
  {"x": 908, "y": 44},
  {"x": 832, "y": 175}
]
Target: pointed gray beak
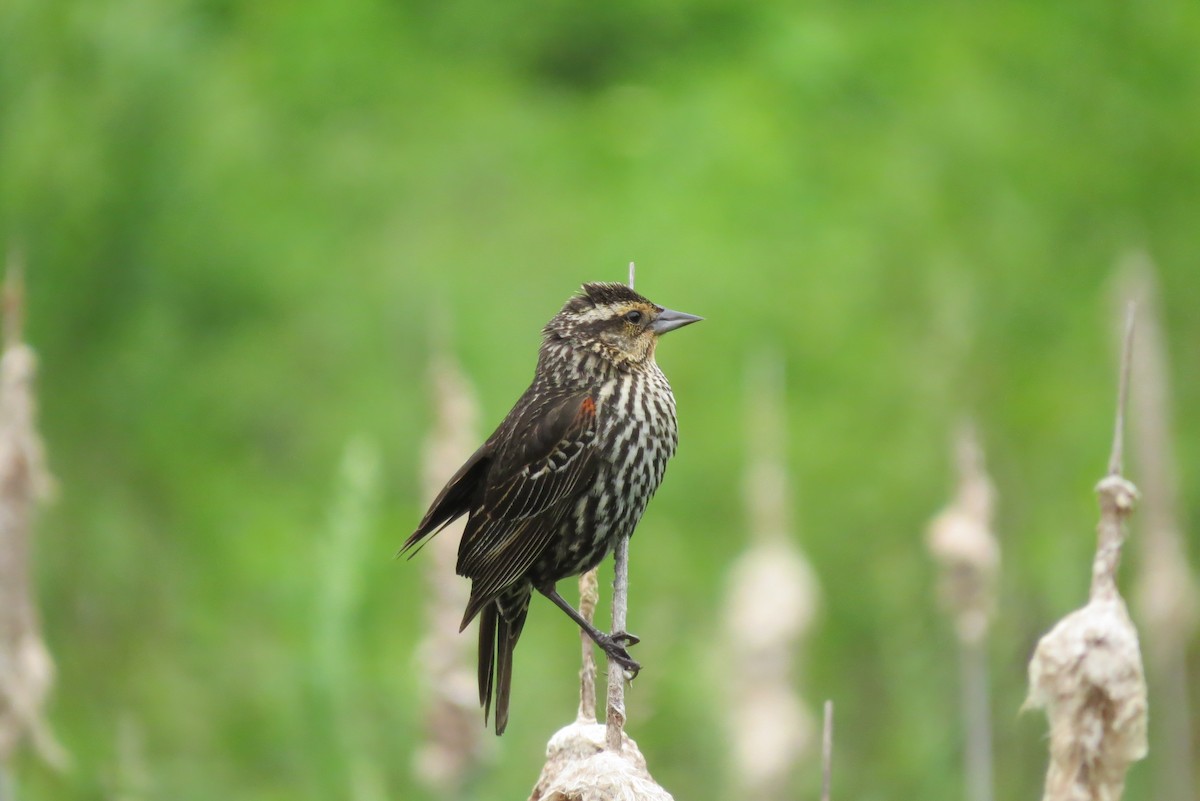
[{"x": 669, "y": 320}]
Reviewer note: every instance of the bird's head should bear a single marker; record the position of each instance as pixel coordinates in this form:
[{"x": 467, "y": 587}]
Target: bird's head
[{"x": 614, "y": 321}]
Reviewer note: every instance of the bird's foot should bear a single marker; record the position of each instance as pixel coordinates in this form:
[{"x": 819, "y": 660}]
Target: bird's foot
[{"x": 614, "y": 646}]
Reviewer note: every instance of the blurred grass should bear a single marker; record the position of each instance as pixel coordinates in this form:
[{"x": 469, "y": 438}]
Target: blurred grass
[{"x": 244, "y": 222}]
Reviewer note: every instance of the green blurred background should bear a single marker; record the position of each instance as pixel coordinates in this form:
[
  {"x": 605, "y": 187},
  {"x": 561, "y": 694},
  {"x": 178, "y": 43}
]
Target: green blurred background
[{"x": 245, "y": 223}]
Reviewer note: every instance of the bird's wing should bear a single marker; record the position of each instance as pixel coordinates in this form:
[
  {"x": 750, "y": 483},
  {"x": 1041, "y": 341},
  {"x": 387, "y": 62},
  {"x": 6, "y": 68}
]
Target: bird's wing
[
  {"x": 460, "y": 494},
  {"x": 542, "y": 455}
]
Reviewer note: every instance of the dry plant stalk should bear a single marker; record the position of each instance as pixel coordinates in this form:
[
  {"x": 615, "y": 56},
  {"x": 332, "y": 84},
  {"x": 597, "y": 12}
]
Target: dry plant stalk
[
  {"x": 770, "y": 606},
  {"x": 614, "y": 714},
  {"x": 1167, "y": 593},
  {"x": 1165, "y": 597},
  {"x": 827, "y": 752},
  {"x": 1087, "y": 672},
  {"x": 26, "y": 669},
  {"x": 961, "y": 540},
  {"x": 581, "y": 765},
  {"x": 454, "y": 741},
  {"x": 589, "y": 596}
]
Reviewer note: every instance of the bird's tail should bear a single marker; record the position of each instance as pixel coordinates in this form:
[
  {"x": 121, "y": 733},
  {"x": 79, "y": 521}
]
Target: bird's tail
[{"x": 500, "y": 624}]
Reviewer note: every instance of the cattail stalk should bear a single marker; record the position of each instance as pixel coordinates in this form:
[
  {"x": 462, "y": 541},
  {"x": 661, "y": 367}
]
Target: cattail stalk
[
  {"x": 827, "y": 753},
  {"x": 589, "y": 596},
  {"x": 1087, "y": 672},
  {"x": 1165, "y": 598},
  {"x": 26, "y": 669},
  {"x": 961, "y": 540},
  {"x": 770, "y": 606},
  {"x": 454, "y": 742},
  {"x": 580, "y": 764},
  {"x": 614, "y": 715}
]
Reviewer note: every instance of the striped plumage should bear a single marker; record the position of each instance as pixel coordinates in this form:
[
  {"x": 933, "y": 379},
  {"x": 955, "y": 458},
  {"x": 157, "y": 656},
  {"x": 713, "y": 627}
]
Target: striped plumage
[{"x": 568, "y": 472}]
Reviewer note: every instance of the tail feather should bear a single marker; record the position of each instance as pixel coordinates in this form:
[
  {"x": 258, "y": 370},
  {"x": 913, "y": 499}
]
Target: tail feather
[
  {"x": 488, "y": 622},
  {"x": 499, "y": 630},
  {"x": 504, "y": 656}
]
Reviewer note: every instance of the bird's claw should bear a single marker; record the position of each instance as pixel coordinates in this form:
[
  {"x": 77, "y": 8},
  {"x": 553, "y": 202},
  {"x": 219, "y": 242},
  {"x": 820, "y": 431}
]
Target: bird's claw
[
  {"x": 624, "y": 638},
  {"x": 614, "y": 646}
]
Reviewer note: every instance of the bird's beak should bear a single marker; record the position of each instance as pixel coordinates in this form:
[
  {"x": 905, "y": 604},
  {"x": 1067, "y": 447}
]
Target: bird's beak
[{"x": 669, "y": 320}]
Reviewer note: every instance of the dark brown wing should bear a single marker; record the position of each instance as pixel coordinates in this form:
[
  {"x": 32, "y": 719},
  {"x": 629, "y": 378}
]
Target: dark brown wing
[
  {"x": 462, "y": 493},
  {"x": 544, "y": 454}
]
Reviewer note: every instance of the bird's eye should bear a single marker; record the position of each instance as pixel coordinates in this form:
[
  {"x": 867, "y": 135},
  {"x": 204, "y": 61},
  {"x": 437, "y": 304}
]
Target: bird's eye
[{"x": 634, "y": 316}]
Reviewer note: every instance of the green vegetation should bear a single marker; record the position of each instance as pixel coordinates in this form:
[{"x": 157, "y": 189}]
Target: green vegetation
[{"x": 245, "y": 223}]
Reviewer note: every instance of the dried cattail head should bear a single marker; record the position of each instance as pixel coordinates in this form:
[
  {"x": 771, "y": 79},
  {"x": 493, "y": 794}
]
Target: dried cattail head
[
  {"x": 1087, "y": 674},
  {"x": 579, "y": 768},
  {"x": 771, "y": 603},
  {"x": 26, "y": 669},
  {"x": 773, "y": 591},
  {"x": 453, "y": 744},
  {"x": 960, "y": 538},
  {"x": 772, "y": 600}
]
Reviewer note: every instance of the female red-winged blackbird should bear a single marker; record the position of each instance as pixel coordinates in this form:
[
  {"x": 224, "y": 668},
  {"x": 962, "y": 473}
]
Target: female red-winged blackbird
[{"x": 568, "y": 472}]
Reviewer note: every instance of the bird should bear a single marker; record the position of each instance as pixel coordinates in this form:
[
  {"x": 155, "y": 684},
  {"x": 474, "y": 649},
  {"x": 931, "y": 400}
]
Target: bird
[{"x": 566, "y": 474}]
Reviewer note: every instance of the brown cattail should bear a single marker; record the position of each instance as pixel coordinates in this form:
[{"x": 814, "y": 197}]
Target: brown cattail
[
  {"x": 26, "y": 669},
  {"x": 1087, "y": 672},
  {"x": 770, "y": 606},
  {"x": 581, "y": 767},
  {"x": 960, "y": 538},
  {"x": 454, "y": 741},
  {"x": 1165, "y": 599},
  {"x": 589, "y": 596},
  {"x": 581, "y": 762}
]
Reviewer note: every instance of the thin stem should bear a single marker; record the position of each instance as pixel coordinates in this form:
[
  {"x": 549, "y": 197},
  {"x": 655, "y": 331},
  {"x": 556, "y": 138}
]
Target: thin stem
[
  {"x": 14, "y": 298},
  {"x": 1117, "y": 496},
  {"x": 977, "y": 716},
  {"x": 1167, "y": 591},
  {"x": 827, "y": 752},
  {"x": 615, "y": 715},
  {"x": 589, "y": 594},
  {"x": 1116, "y": 459}
]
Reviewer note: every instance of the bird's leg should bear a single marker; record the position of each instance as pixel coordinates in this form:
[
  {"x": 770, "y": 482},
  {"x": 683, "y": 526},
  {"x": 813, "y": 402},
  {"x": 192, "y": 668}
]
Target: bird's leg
[{"x": 613, "y": 645}]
